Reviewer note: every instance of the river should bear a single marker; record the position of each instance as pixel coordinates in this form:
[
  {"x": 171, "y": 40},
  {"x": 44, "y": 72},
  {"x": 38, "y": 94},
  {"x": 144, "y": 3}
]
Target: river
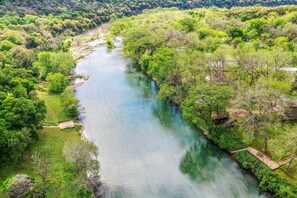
[{"x": 146, "y": 149}]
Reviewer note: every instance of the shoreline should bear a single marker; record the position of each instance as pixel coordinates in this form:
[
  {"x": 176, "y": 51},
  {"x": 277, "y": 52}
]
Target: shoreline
[
  {"x": 99, "y": 41},
  {"x": 81, "y": 47},
  {"x": 89, "y": 48}
]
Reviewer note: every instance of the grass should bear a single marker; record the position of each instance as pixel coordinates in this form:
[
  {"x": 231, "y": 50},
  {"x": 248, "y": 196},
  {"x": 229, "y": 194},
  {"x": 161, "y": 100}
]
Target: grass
[
  {"x": 50, "y": 146},
  {"x": 291, "y": 176},
  {"x": 274, "y": 153},
  {"x": 55, "y": 110}
]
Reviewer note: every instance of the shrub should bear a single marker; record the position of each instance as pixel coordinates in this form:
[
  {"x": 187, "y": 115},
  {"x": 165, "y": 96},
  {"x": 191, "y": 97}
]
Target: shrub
[{"x": 269, "y": 181}]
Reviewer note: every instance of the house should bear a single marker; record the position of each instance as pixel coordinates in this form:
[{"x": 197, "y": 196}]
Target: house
[{"x": 66, "y": 125}]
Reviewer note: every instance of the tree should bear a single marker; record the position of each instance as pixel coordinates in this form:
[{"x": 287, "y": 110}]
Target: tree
[
  {"x": 259, "y": 25},
  {"x": 41, "y": 167},
  {"x": 249, "y": 65},
  {"x": 261, "y": 106},
  {"x": 163, "y": 63},
  {"x": 204, "y": 101},
  {"x": 275, "y": 61},
  {"x": 84, "y": 156},
  {"x": 285, "y": 142},
  {"x": 57, "y": 82},
  {"x": 62, "y": 62},
  {"x": 44, "y": 63},
  {"x": 235, "y": 32},
  {"x": 21, "y": 186},
  {"x": 21, "y": 112},
  {"x": 188, "y": 24},
  {"x": 6, "y": 45}
]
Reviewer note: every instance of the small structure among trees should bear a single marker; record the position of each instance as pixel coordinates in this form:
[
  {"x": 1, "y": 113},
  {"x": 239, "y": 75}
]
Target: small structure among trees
[
  {"x": 66, "y": 125},
  {"x": 291, "y": 110}
]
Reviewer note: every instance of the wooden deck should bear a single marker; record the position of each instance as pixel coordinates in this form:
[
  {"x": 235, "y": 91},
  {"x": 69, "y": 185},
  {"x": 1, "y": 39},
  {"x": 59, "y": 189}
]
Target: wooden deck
[{"x": 265, "y": 159}]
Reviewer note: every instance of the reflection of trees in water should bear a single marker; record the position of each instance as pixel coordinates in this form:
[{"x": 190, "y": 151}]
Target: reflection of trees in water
[
  {"x": 163, "y": 112},
  {"x": 142, "y": 83},
  {"x": 200, "y": 162}
]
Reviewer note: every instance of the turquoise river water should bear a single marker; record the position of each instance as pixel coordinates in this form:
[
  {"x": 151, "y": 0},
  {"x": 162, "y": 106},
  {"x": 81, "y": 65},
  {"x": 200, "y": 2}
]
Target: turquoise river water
[{"x": 146, "y": 149}]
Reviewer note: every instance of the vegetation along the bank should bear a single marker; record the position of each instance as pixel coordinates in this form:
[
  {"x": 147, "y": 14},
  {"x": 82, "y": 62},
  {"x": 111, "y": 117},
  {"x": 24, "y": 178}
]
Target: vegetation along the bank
[
  {"x": 35, "y": 71},
  {"x": 232, "y": 72},
  {"x": 233, "y": 49}
]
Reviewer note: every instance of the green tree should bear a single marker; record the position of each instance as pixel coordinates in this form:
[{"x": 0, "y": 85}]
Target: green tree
[
  {"x": 6, "y": 45},
  {"x": 188, "y": 24},
  {"x": 162, "y": 63},
  {"x": 57, "y": 82},
  {"x": 235, "y": 32},
  {"x": 204, "y": 101}
]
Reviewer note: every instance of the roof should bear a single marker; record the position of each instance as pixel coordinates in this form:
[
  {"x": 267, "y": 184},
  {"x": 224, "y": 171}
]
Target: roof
[
  {"x": 65, "y": 125},
  {"x": 291, "y": 103}
]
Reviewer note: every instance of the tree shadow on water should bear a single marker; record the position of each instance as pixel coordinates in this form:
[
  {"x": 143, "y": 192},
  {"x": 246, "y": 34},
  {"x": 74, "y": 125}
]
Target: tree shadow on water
[{"x": 200, "y": 162}]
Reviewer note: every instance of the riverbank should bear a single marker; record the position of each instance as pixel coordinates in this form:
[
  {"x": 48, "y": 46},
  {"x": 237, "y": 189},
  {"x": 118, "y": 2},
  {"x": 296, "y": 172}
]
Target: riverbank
[
  {"x": 89, "y": 42},
  {"x": 191, "y": 69},
  {"x": 84, "y": 44}
]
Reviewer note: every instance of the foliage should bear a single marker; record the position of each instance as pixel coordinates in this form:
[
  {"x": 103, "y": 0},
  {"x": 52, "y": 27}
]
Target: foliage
[
  {"x": 226, "y": 138},
  {"x": 57, "y": 82},
  {"x": 269, "y": 181},
  {"x": 206, "y": 100},
  {"x": 197, "y": 57}
]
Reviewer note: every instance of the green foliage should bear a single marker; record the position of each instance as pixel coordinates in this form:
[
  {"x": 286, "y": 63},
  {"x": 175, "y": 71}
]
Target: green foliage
[
  {"x": 110, "y": 44},
  {"x": 269, "y": 181},
  {"x": 206, "y": 100},
  {"x": 162, "y": 63},
  {"x": 257, "y": 25},
  {"x": 70, "y": 102},
  {"x": 226, "y": 138},
  {"x": 235, "y": 32},
  {"x": 188, "y": 24},
  {"x": 60, "y": 62},
  {"x": 6, "y": 45},
  {"x": 57, "y": 82},
  {"x": 194, "y": 58}
]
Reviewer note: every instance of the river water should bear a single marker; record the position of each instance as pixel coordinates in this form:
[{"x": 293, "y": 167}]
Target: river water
[{"x": 146, "y": 149}]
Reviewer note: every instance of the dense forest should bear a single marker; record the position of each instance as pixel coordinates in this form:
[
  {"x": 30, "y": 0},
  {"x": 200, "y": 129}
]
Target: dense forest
[
  {"x": 35, "y": 68},
  {"x": 232, "y": 74}
]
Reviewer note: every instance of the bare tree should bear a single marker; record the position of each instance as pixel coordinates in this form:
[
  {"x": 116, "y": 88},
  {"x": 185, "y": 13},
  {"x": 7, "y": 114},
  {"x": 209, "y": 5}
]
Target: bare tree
[
  {"x": 250, "y": 65},
  {"x": 261, "y": 106},
  {"x": 20, "y": 186},
  {"x": 274, "y": 61},
  {"x": 84, "y": 156},
  {"x": 41, "y": 167}
]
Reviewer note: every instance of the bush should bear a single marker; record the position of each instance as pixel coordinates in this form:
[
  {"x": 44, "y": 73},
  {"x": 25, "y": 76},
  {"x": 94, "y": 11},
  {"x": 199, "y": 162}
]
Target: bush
[
  {"x": 57, "y": 82},
  {"x": 226, "y": 138},
  {"x": 269, "y": 181},
  {"x": 6, "y": 45}
]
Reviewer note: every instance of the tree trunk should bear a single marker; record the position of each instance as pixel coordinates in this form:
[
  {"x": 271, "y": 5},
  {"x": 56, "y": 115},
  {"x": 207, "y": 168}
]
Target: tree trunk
[
  {"x": 265, "y": 143},
  {"x": 292, "y": 159}
]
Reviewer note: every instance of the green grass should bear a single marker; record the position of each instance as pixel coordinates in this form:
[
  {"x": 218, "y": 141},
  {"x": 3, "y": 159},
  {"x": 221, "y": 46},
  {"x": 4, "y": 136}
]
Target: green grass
[
  {"x": 55, "y": 110},
  {"x": 50, "y": 146}
]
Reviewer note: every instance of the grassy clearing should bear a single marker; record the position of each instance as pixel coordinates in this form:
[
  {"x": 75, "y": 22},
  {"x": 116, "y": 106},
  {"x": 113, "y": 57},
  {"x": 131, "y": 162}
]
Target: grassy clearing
[
  {"x": 55, "y": 110},
  {"x": 50, "y": 146}
]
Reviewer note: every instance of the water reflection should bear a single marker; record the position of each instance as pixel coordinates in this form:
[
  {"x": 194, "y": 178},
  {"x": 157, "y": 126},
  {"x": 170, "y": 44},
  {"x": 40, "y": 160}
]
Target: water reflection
[{"x": 146, "y": 149}]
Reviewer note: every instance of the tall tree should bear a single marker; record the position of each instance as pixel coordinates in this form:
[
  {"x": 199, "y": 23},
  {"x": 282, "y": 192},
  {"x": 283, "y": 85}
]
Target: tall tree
[{"x": 261, "y": 106}]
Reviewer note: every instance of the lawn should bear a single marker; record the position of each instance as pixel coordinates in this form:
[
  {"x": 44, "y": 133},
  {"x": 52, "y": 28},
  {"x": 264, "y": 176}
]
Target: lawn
[
  {"x": 55, "y": 110},
  {"x": 50, "y": 146}
]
